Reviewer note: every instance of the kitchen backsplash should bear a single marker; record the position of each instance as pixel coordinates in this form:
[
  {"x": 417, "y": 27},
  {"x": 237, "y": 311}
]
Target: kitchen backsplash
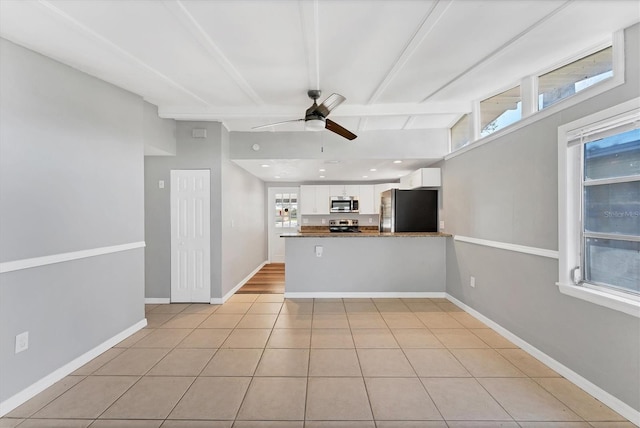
[{"x": 323, "y": 220}]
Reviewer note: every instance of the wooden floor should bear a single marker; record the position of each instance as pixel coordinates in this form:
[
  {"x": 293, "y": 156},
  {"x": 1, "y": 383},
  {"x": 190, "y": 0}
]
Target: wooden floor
[{"x": 269, "y": 280}]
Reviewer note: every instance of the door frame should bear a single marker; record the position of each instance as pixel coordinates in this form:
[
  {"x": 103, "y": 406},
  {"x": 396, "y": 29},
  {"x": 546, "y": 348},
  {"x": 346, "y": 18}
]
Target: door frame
[{"x": 271, "y": 213}]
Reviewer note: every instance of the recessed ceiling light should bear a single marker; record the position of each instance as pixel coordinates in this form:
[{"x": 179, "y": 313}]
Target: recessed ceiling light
[
  {"x": 277, "y": 176},
  {"x": 397, "y": 161},
  {"x": 322, "y": 176},
  {"x": 365, "y": 176},
  {"x": 264, "y": 165},
  {"x": 373, "y": 170},
  {"x": 322, "y": 170}
]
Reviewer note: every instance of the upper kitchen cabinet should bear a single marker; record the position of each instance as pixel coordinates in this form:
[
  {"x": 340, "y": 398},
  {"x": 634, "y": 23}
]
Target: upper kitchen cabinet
[
  {"x": 345, "y": 190},
  {"x": 314, "y": 200},
  {"x": 366, "y": 200},
  {"x": 424, "y": 177}
]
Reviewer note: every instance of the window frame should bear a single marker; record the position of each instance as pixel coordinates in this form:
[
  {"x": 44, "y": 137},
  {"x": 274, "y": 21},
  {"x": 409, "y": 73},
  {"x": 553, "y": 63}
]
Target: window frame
[{"x": 570, "y": 228}]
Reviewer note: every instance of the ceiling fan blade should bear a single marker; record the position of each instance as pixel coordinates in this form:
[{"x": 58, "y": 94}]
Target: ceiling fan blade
[
  {"x": 343, "y": 132},
  {"x": 332, "y": 101},
  {"x": 277, "y": 123}
]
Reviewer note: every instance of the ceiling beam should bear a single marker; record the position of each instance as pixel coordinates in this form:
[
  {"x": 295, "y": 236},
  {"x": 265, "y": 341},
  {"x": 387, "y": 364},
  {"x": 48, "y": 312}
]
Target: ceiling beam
[
  {"x": 310, "y": 27},
  {"x": 190, "y": 23},
  {"x": 78, "y": 26}
]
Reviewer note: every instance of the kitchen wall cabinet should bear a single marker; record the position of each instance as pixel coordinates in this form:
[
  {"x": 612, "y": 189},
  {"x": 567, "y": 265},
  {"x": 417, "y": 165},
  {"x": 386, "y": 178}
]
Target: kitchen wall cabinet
[
  {"x": 314, "y": 200},
  {"x": 344, "y": 190},
  {"x": 366, "y": 199},
  {"x": 424, "y": 177}
]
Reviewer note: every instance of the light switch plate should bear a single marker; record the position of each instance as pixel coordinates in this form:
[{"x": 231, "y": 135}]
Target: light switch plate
[
  {"x": 22, "y": 342},
  {"x": 161, "y": 184}
]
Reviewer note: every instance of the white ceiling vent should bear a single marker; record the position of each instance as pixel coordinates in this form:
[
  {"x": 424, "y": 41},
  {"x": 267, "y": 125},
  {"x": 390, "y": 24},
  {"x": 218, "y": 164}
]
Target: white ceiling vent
[{"x": 199, "y": 133}]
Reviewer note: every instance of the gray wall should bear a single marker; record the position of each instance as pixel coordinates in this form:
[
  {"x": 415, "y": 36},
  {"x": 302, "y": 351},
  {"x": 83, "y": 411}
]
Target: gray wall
[
  {"x": 71, "y": 169},
  {"x": 230, "y": 187},
  {"x": 507, "y": 191},
  {"x": 159, "y": 134}
]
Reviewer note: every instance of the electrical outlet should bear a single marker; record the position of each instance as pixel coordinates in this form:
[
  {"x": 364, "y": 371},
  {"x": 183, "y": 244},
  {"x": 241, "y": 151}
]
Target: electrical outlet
[
  {"x": 324, "y": 221},
  {"x": 370, "y": 220},
  {"x": 22, "y": 342},
  {"x": 318, "y": 249},
  {"x": 441, "y": 224},
  {"x": 472, "y": 281}
]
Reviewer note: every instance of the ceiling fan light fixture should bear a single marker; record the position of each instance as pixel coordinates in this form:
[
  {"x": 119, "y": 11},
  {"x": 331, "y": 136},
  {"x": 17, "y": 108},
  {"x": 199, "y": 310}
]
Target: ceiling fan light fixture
[{"x": 314, "y": 125}]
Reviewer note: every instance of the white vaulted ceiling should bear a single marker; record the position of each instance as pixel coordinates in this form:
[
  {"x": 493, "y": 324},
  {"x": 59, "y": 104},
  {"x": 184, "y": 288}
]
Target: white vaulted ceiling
[{"x": 401, "y": 64}]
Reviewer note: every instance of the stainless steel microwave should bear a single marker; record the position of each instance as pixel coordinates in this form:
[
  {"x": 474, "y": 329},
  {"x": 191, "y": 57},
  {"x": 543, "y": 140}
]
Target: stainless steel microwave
[{"x": 343, "y": 204}]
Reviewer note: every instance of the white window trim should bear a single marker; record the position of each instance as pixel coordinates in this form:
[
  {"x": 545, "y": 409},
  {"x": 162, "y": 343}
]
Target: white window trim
[
  {"x": 568, "y": 210},
  {"x": 617, "y": 79}
]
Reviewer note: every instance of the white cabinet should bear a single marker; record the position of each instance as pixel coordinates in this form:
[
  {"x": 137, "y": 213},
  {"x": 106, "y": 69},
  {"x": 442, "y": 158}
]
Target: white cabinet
[
  {"x": 366, "y": 200},
  {"x": 344, "y": 190},
  {"x": 377, "y": 191},
  {"x": 424, "y": 177},
  {"x": 314, "y": 200}
]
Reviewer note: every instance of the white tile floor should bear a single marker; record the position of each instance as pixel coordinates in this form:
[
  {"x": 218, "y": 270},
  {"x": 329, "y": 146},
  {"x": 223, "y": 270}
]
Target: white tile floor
[{"x": 261, "y": 361}]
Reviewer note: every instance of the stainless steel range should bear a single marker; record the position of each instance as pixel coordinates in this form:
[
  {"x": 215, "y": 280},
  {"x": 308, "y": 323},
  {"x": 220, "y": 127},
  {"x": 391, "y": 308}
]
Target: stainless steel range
[{"x": 346, "y": 225}]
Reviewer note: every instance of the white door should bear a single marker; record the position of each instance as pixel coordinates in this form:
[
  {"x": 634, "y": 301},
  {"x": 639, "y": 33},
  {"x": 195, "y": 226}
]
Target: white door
[
  {"x": 190, "y": 236},
  {"x": 283, "y": 218}
]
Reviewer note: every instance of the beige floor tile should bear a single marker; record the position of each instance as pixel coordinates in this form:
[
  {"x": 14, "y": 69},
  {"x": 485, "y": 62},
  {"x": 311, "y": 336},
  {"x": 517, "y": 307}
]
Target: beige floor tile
[
  {"x": 555, "y": 424},
  {"x": 294, "y": 321},
  {"x": 216, "y": 398},
  {"x": 123, "y": 423},
  {"x": 384, "y": 363},
  {"x": 196, "y": 424},
  {"x": 292, "y": 307},
  {"x": 421, "y": 306},
  {"x": 205, "y": 338},
  {"x": 360, "y": 307},
  {"x": 467, "y": 320},
  {"x": 402, "y": 320},
  {"x": 337, "y": 399},
  {"x": 613, "y": 425},
  {"x": 234, "y": 308},
  {"x": 149, "y": 307},
  {"x": 182, "y": 362},
  {"x": 265, "y": 308},
  {"x": 201, "y": 308},
  {"x": 98, "y": 362},
  {"x": 183, "y": 320},
  {"x": 416, "y": 338},
  {"x": 134, "y": 338},
  {"x": 331, "y": 338},
  {"x": 89, "y": 398},
  {"x": 325, "y": 307},
  {"x": 525, "y": 400},
  {"x": 10, "y": 422},
  {"x": 481, "y": 424},
  {"x": 579, "y": 401},
  {"x": 328, "y": 300},
  {"x": 526, "y": 363},
  {"x": 163, "y": 338},
  {"x": 334, "y": 363},
  {"x": 391, "y": 305},
  {"x": 257, "y": 321},
  {"x": 247, "y": 338},
  {"x": 374, "y": 338},
  {"x": 411, "y": 424},
  {"x": 217, "y": 320},
  {"x": 233, "y": 362},
  {"x": 132, "y": 362},
  {"x": 395, "y": 399},
  {"x": 438, "y": 320},
  {"x": 323, "y": 320},
  {"x": 435, "y": 363},
  {"x": 243, "y": 298},
  {"x": 289, "y": 338},
  {"x": 45, "y": 397},
  {"x": 492, "y": 338},
  {"x": 172, "y": 308},
  {"x": 268, "y": 424},
  {"x": 270, "y": 298},
  {"x": 366, "y": 320},
  {"x": 449, "y": 307},
  {"x": 275, "y": 399},
  {"x": 458, "y": 338},
  {"x": 151, "y": 398},
  {"x": 284, "y": 362},
  {"x": 339, "y": 424},
  {"x": 464, "y": 399},
  {"x": 157, "y": 320},
  {"x": 56, "y": 423},
  {"x": 486, "y": 363}
]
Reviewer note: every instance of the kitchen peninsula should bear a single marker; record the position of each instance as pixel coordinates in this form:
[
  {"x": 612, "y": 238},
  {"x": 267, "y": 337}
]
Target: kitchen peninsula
[{"x": 368, "y": 264}]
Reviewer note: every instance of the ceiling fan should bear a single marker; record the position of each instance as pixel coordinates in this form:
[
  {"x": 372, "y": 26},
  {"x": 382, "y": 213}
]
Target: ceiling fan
[{"x": 315, "y": 117}]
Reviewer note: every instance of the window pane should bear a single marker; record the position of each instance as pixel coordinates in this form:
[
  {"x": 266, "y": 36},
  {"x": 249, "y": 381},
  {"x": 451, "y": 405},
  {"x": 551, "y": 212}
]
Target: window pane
[
  {"x": 572, "y": 78},
  {"x": 500, "y": 111},
  {"x": 613, "y": 208},
  {"x": 460, "y": 133},
  {"x": 614, "y": 263},
  {"x": 615, "y": 156}
]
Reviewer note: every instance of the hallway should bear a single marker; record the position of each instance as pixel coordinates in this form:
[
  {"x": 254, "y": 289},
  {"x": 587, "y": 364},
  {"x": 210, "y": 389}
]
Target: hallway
[{"x": 269, "y": 280}]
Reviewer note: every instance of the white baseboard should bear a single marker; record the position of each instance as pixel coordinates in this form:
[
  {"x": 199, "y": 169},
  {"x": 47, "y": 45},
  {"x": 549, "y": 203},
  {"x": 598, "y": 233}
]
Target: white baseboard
[
  {"x": 616, "y": 404},
  {"x": 219, "y": 301},
  {"x": 32, "y": 390},
  {"x": 157, "y": 300},
  {"x": 366, "y": 295}
]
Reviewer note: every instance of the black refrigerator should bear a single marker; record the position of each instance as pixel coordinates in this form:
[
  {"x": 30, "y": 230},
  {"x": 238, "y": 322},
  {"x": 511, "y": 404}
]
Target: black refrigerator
[{"x": 409, "y": 210}]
